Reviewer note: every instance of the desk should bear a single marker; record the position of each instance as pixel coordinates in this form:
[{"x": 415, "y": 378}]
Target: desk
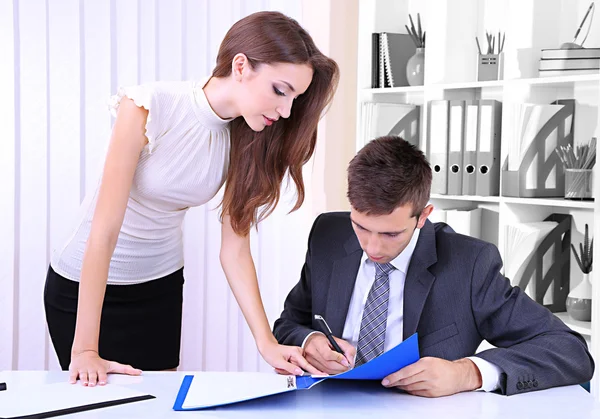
[{"x": 332, "y": 399}]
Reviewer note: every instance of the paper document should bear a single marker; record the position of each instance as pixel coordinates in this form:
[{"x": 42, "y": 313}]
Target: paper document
[
  {"x": 522, "y": 240},
  {"x": 211, "y": 389},
  {"x": 63, "y": 398}
]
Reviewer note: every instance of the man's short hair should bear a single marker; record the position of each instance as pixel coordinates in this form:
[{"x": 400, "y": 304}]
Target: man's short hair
[{"x": 388, "y": 173}]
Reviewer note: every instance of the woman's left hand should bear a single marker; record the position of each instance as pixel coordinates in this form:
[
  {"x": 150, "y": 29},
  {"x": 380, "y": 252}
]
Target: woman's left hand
[{"x": 287, "y": 359}]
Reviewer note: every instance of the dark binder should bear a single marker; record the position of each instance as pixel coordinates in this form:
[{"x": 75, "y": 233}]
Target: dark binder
[{"x": 375, "y": 57}]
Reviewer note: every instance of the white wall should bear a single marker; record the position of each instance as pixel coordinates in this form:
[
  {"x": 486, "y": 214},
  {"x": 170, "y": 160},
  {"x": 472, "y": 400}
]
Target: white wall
[{"x": 60, "y": 61}]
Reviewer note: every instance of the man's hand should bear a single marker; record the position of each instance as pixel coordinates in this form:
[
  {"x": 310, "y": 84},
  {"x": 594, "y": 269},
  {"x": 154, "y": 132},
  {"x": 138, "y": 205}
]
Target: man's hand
[
  {"x": 320, "y": 354},
  {"x": 435, "y": 377}
]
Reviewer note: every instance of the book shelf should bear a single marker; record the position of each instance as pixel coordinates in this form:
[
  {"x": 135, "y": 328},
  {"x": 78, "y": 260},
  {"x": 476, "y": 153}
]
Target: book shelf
[{"x": 450, "y": 74}]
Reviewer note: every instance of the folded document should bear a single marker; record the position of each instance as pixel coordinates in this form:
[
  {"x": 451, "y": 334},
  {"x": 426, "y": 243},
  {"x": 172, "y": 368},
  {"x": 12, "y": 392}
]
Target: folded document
[{"x": 211, "y": 389}]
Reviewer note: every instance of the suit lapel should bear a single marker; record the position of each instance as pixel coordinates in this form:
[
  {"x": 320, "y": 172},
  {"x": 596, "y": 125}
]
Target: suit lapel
[
  {"x": 341, "y": 285},
  {"x": 418, "y": 279}
]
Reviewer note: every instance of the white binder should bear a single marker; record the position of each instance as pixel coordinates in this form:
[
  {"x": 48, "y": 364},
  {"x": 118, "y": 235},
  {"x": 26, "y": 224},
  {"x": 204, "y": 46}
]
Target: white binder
[{"x": 438, "y": 145}]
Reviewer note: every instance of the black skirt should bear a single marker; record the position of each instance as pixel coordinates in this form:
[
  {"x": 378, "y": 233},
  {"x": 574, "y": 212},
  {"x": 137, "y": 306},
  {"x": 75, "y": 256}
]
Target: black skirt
[{"x": 140, "y": 324}]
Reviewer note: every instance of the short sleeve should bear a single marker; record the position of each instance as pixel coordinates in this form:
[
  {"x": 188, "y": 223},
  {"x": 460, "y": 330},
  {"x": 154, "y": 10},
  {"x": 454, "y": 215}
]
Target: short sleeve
[{"x": 149, "y": 97}]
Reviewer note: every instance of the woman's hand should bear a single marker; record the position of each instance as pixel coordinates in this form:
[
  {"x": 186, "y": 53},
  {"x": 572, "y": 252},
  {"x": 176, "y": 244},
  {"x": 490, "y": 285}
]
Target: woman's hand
[
  {"x": 90, "y": 368},
  {"x": 287, "y": 359}
]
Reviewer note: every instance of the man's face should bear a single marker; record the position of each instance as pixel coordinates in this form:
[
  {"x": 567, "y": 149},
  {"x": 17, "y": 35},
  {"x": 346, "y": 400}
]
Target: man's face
[{"x": 384, "y": 237}]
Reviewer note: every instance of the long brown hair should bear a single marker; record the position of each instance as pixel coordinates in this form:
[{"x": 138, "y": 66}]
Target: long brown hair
[
  {"x": 260, "y": 160},
  {"x": 387, "y": 173}
]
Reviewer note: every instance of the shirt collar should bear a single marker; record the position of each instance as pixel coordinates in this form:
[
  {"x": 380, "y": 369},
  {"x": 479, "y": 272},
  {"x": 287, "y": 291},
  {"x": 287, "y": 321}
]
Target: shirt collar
[
  {"x": 401, "y": 261},
  {"x": 204, "y": 111}
]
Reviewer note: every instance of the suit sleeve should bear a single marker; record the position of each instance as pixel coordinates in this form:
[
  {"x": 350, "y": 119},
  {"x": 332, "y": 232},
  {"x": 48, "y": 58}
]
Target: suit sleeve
[
  {"x": 294, "y": 324},
  {"x": 535, "y": 350}
]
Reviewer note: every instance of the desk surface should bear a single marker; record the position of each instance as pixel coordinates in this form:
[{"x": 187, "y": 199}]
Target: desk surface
[{"x": 332, "y": 399}]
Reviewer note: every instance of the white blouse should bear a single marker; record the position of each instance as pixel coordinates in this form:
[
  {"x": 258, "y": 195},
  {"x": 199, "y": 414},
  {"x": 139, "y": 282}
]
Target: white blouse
[{"x": 184, "y": 164}]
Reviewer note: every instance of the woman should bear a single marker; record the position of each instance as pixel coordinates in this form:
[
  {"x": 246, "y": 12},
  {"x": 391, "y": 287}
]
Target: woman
[{"x": 113, "y": 293}]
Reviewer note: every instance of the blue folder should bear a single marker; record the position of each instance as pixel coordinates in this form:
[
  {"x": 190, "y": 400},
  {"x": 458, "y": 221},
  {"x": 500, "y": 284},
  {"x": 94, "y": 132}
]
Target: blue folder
[{"x": 212, "y": 389}]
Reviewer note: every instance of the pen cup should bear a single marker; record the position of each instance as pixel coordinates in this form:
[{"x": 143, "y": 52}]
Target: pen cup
[
  {"x": 490, "y": 67},
  {"x": 579, "y": 183}
]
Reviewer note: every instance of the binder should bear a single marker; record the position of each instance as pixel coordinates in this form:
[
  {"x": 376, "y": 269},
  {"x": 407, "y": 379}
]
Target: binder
[
  {"x": 469, "y": 180},
  {"x": 395, "y": 50},
  {"x": 375, "y": 60},
  {"x": 437, "y": 145},
  {"x": 488, "y": 148},
  {"x": 455, "y": 144},
  {"x": 212, "y": 389}
]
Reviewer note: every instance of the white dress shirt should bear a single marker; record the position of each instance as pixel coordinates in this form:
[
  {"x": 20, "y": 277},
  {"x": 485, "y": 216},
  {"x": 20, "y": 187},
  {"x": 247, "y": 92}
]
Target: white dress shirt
[{"x": 490, "y": 373}]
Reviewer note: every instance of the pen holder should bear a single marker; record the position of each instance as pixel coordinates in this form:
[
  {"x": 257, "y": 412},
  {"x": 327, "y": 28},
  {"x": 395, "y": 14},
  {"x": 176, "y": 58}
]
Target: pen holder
[
  {"x": 579, "y": 183},
  {"x": 490, "y": 67}
]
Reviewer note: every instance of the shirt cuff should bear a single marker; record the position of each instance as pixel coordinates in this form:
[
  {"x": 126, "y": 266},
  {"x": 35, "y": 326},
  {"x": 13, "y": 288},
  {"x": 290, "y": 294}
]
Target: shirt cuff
[
  {"x": 490, "y": 374},
  {"x": 309, "y": 335}
]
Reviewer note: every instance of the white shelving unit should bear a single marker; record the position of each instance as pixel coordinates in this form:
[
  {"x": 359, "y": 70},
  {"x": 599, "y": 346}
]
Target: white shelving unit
[
  {"x": 450, "y": 73},
  {"x": 584, "y": 328}
]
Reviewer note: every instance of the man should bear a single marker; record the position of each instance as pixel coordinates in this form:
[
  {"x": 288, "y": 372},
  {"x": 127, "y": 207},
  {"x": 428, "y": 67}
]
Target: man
[{"x": 383, "y": 272}]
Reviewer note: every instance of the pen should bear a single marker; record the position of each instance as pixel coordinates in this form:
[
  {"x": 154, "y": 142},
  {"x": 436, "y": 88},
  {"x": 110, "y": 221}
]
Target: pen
[
  {"x": 325, "y": 328},
  {"x": 583, "y": 21},
  {"x": 478, "y": 46},
  {"x": 2, "y": 386}
]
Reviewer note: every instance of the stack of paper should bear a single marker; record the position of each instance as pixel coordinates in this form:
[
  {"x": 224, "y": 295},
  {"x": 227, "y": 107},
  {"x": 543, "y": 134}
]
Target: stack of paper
[
  {"x": 463, "y": 221},
  {"x": 438, "y": 216},
  {"x": 522, "y": 241}
]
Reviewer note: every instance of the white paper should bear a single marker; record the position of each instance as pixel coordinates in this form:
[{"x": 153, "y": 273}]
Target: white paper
[
  {"x": 465, "y": 221},
  {"x": 51, "y": 397},
  {"x": 216, "y": 388},
  {"x": 521, "y": 242}
]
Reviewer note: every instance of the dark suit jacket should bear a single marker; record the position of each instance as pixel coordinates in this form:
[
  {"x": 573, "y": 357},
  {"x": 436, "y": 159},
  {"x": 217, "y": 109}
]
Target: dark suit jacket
[{"x": 454, "y": 297}]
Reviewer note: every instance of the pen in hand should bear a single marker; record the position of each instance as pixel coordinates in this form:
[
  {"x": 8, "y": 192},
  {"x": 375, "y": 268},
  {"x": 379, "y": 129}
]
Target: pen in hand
[{"x": 325, "y": 329}]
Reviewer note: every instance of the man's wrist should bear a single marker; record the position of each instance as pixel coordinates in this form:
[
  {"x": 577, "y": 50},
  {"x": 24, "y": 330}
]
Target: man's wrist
[
  {"x": 310, "y": 337},
  {"x": 470, "y": 376}
]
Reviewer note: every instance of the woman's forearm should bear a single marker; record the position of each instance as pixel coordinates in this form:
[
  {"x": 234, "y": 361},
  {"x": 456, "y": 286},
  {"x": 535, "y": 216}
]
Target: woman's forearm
[
  {"x": 241, "y": 275},
  {"x": 92, "y": 287},
  {"x": 236, "y": 260}
]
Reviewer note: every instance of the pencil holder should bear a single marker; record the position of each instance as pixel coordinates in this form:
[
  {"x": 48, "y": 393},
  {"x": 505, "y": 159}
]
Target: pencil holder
[
  {"x": 490, "y": 67},
  {"x": 579, "y": 183}
]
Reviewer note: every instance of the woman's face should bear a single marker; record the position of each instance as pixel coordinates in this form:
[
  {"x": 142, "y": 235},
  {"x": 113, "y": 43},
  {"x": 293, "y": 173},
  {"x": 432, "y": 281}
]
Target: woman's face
[{"x": 268, "y": 91}]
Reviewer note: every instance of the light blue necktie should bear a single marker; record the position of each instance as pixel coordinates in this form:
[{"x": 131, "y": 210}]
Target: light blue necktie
[{"x": 371, "y": 338}]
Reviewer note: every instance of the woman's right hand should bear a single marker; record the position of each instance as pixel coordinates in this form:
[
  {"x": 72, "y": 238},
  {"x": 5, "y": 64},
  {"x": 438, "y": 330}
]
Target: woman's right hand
[{"x": 91, "y": 369}]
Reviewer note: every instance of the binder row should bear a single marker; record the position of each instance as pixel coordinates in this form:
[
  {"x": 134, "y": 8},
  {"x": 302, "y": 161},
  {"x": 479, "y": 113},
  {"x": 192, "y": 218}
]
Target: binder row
[{"x": 464, "y": 146}]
